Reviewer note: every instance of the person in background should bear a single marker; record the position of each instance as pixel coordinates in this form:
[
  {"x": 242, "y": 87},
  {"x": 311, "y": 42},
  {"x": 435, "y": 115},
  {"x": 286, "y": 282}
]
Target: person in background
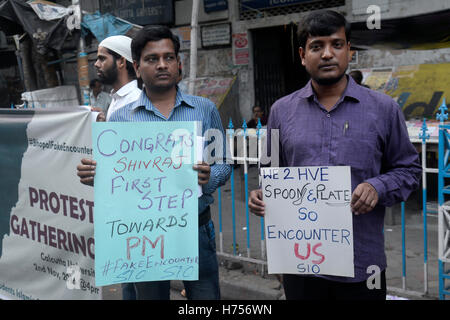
[
  {"x": 114, "y": 66},
  {"x": 358, "y": 77},
  {"x": 100, "y": 100},
  {"x": 258, "y": 113}
]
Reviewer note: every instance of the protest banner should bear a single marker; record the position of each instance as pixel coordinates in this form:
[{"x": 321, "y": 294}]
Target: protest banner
[
  {"x": 146, "y": 205},
  {"x": 46, "y": 214},
  {"x": 308, "y": 220}
]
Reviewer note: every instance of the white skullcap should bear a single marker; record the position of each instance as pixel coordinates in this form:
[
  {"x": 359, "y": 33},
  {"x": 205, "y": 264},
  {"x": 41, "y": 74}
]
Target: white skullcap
[{"x": 119, "y": 44}]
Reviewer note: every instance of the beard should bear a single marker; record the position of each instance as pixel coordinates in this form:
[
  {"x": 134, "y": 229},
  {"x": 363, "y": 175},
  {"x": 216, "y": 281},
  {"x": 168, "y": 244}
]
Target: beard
[
  {"x": 324, "y": 81},
  {"x": 328, "y": 81},
  {"x": 109, "y": 76},
  {"x": 161, "y": 87}
]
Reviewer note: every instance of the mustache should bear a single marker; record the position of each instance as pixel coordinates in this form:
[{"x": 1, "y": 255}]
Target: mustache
[{"x": 328, "y": 65}]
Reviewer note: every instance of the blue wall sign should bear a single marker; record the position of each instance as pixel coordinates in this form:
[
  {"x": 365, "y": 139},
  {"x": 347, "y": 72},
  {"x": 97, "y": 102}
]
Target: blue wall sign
[
  {"x": 141, "y": 12},
  {"x": 247, "y": 5},
  {"x": 215, "y": 5}
]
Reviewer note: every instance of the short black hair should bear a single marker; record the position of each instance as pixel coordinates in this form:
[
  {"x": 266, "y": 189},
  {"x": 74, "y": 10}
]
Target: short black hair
[
  {"x": 322, "y": 23},
  {"x": 152, "y": 33},
  {"x": 129, "y": 65},
  {"x": 93, "y": 82},
  {"x": 257, "y": 106}
]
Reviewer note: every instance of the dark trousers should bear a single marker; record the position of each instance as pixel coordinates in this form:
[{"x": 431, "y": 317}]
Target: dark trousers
[{"x": 298, "y": 287}]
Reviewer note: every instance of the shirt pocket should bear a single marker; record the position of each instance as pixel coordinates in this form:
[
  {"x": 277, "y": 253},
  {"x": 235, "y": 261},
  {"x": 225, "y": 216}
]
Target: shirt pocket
[
  {"x": 302, "y": 146},
  {"x": 357, "y": 149}
]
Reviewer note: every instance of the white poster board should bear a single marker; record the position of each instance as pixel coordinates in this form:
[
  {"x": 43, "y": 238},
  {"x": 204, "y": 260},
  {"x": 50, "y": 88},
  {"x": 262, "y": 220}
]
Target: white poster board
[{"x": 308, "y": 220}]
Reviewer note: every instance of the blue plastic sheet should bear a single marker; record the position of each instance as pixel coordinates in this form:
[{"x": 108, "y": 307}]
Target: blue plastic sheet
[{"x": 103, "y": 26}]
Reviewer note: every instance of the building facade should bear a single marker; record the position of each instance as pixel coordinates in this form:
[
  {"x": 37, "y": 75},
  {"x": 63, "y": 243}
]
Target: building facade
[{"x": 255, "y": 40}]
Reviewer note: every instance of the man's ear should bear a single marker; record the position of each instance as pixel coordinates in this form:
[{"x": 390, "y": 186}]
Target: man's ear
[
  {"x": 301, "y": 53},
  {"x": 121, "y": 62},
  {"x": 136, "y": 69},
  {"x": 180, "y": 66},
  {"x": 350, "y": 55}
]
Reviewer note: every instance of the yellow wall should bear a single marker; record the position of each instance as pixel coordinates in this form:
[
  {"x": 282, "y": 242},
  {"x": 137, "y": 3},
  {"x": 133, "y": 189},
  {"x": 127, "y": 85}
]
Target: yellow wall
[{"x": 418, "y": 89}]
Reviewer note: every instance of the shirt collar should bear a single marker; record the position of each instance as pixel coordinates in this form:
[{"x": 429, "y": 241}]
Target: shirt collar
[
  {"x": 184, "y": 97},
  {"x": 352, "y": 91},
  {"x": 126, "y": 89},
  {"x": 180, "y": 99}
]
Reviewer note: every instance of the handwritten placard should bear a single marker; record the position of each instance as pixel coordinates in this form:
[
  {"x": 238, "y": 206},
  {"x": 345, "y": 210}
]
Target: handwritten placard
[
  {"x": 308, "y": 220},
  {"x": 146, "y": 204}
]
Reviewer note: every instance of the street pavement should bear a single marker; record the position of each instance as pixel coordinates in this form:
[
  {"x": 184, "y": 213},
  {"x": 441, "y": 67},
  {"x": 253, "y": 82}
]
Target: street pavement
[{"x": 242, "y": 280}]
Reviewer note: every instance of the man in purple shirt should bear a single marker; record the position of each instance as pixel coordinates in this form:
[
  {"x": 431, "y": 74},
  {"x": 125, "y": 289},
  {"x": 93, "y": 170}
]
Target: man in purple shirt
[{"x": 333, "y": 121}]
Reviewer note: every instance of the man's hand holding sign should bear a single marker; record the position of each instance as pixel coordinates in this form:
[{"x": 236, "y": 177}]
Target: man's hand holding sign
[{"x": 364, "y": 198}]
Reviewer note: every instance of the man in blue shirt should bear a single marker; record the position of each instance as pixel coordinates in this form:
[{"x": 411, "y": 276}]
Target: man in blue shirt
[{"x": 156, "y": 61}]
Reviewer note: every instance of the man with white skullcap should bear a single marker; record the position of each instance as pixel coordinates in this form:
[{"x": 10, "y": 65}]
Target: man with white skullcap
[{"x": 115, "y": 67}]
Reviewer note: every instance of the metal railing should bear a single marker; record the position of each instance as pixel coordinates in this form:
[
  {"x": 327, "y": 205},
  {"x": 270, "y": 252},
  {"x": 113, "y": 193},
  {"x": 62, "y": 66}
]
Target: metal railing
[
  {"x": 444, "y": 207},
  {"x": 245, "y": 158},
  {"x": 424, "y": 138}
]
